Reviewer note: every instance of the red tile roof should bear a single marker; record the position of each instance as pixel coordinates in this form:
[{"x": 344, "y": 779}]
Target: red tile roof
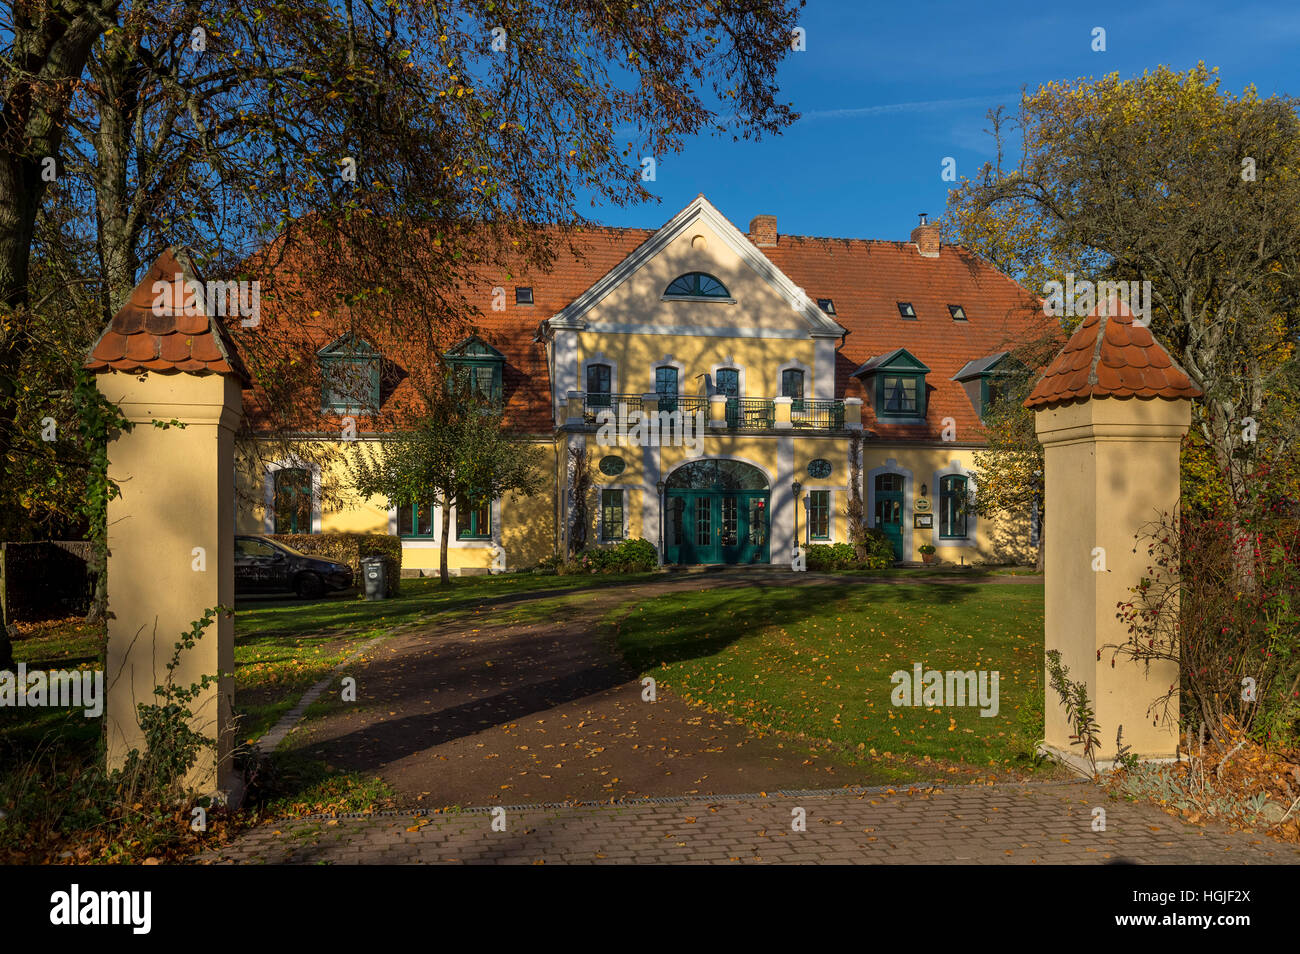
[
  {"x": 865, "y": 279},
  {"x": 177, "y": 336},
  {"x": 513, "y": 330},
  {"x": 1110, "y": 356}
]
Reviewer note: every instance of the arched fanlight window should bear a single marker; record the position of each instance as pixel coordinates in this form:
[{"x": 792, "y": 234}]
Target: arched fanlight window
[{"x": 696, "y": 285}]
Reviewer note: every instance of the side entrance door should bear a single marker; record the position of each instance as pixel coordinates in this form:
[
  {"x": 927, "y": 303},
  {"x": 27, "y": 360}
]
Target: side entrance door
[{"x": 889, "y": 509}]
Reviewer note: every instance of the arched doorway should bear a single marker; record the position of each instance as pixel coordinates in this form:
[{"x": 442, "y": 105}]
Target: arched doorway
[{"x": 717, "y": 511}]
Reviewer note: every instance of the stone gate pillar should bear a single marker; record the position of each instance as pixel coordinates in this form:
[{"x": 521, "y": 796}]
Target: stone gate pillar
[
  {"x": 164, "y": 359},
  {"x": 1110, "y": 410}
]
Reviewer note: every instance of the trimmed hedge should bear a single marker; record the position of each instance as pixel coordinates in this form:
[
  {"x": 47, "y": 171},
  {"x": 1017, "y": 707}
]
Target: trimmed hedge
[{"x": 349, "y": 548}]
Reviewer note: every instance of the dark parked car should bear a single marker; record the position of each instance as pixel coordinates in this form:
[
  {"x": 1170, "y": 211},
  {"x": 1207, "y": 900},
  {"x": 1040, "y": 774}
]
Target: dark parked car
[{"x": 265, "y": 566}]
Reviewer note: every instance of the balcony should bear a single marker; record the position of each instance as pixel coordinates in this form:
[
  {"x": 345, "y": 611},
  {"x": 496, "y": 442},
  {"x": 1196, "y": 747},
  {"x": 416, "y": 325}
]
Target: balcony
[
  {"x": 822, "y": 415},
  {"x": 593, "y": 404},
  {"x": 756, "y": 414},
  {"x": 741, "y": 414}
]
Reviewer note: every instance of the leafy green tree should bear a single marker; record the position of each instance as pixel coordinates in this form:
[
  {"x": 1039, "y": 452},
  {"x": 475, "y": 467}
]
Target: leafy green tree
[{"x": 459, "y": 449}]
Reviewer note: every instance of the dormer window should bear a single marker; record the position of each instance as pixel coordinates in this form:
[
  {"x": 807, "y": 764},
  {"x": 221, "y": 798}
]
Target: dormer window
[
  {"x": 827, "y": 305},
  {"x": 896, "y": 383},
  {"x": 477, "y": 366},
  {"x": 958, "y": 312},
  {"x": 696, "y": 285},
  {"x": 906, "y": 310},
  {"x": 986, "y": 380},
  {"x": 349, "y": 376},
  {"x": 523, "y": 296}
]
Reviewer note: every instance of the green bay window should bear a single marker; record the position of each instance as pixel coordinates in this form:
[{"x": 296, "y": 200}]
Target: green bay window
[
  {"x": 611, "y": 515},
  {"x": 473, "y": 518},
  {"x": 819, "y": 514},
  {"x": 896, "y": 384},
  {"x": 952, "y": 507}
]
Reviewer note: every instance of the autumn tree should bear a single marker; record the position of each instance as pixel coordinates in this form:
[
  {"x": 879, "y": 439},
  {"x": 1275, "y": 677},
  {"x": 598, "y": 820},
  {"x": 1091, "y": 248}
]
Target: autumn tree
[
  {"x": 1169, "y": 179},
  {"x": 392, "y": 153},
  {"x": 458, "y": 451}
]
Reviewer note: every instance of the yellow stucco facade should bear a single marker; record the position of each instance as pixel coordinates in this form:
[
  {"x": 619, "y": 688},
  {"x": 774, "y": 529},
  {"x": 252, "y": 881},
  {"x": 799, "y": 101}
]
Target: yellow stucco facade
[{"x": 752, "y": 366}]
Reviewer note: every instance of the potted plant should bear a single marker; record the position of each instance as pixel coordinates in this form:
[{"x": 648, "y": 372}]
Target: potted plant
[{"x": 927, "y": 553}]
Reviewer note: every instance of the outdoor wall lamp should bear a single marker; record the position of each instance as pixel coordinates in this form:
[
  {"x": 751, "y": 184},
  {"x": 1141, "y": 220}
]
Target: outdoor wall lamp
[
  {"x": 660, "y": 486},
  {"x": 925, "y": 491},
  {"x": 795, "y": 486}
]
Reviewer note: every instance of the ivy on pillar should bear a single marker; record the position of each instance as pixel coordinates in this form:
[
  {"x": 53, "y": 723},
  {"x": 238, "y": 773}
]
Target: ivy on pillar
[
  {"x": 1111, "y": 411},
  {"x": 165, "y": 359}
]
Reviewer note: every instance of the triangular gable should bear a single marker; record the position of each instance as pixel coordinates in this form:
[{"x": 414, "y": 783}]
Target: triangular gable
[
  {"x": 700, "y": 210},
  {"x": 475, "y": 347},
  {"x": 900, "y": 359},
  {"x": 348, "y": 345}
]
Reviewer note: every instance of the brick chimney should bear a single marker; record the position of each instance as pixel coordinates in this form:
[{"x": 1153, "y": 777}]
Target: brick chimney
[
  {"x": 762, "y": 230},
  {"x": 926, "y": 238}
]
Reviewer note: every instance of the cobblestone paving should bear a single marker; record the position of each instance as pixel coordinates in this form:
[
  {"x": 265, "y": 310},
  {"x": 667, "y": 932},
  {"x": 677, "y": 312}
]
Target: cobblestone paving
[{"x": 1016, "y": 824}]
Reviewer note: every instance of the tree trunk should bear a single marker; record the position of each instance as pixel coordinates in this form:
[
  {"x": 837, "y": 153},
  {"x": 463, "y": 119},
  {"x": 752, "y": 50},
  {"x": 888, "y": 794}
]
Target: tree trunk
[{"x": 443, "y": 575}]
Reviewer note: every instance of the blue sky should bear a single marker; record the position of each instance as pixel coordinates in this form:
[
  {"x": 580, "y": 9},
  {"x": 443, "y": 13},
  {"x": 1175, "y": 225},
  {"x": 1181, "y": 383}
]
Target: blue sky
[{"x": 888, "y": 90}]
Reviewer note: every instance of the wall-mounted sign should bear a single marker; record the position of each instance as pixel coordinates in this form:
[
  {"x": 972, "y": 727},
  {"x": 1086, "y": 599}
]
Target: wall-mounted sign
[
  {"x": 921, "y": 504},
  {"x": 611, "y": 465},
  {"x": 819, "y": 468},
  {"x": 923, "y": 521}
]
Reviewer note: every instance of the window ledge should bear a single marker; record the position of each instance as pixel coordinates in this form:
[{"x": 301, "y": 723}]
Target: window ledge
[{"x": 725, "y": 301}]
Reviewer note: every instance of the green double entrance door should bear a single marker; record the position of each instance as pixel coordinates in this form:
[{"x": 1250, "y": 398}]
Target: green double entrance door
[
  {"x": 717, "y": 510},
  {"x": 716, "y": 527}
]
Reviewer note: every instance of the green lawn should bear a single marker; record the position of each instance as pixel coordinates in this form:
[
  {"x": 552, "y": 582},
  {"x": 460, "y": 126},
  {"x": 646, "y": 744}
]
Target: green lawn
[{"x": 815, "y": 663}]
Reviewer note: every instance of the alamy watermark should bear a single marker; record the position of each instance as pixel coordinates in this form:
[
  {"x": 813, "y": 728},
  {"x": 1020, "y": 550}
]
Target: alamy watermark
[
  {"x": 633, "y": 427},
  {"x": 212, "y": 298},
  {"x": 1078, "y": 299},
  {"x": 78, "y": 689},
  {"x": 946, "y": 689}
]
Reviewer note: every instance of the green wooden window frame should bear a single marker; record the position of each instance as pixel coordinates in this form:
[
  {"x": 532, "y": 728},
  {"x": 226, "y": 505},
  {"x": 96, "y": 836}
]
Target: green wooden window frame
[
  {"x": 891, "y": 385},
  {"x": 727, "y": 381},
  {"x": 666, "y": 381},
  {"x": 293, "y": 500},
  {"x": 479, "y": 365},
  {"x": 952, "y": 507},
  {"x": 696, "y": 285},
  {"x": 483, "y": 376},
  {"x": 611, "y": 514},
  {"x": 792, "y": 381},
  {"x": 350, "y": 376},
  {"x": 416, "y": 521},
  {"x": 599, "y": 378},
  {"x": 473, "y": 520},
  {"x": 819, "y": 514}
]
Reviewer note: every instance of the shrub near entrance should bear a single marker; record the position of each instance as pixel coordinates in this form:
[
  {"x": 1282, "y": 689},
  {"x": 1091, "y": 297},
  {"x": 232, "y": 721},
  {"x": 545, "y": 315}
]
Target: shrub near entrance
[
  {"x": 630, "y": 556},
  {"x": 876, "y": 553}
]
